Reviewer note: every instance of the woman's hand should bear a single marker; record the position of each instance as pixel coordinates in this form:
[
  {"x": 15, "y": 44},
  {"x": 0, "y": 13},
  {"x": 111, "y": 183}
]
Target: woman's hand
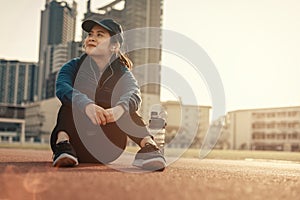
[
  {"x": 97, "y": 114},
  {"x": 114, "y": 113}
]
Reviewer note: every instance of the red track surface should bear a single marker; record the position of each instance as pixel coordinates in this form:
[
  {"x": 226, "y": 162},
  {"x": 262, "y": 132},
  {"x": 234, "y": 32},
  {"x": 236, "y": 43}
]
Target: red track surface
[{"x": 28, "y": 174}]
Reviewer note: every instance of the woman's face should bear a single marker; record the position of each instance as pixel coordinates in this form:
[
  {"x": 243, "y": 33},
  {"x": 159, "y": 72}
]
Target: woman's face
[{"x": 97, "y": 43}]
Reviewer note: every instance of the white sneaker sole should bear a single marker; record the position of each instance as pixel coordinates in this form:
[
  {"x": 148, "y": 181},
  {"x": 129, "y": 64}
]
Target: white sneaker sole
[
  {"x": 138, "y": 162},
  {"x": 154, "y": 164},
  {"x": 65, "y": 160}
]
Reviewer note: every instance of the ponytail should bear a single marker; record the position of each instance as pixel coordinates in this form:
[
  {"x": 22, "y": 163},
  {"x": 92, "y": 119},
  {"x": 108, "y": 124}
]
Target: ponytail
[{"x": 125, "y": 60}]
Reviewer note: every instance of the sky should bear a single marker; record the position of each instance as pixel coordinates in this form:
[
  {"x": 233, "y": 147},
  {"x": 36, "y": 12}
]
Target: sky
[{"x": 254, "y": 45}]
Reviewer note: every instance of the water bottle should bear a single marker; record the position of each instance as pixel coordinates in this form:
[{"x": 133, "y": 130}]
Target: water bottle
[{"x": 157, "y": 126}]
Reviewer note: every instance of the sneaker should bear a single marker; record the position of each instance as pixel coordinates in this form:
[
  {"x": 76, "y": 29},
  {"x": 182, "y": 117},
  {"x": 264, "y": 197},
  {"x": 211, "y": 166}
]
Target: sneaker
[
  {"x": 150, "y": 158},
  {"x": 64, "y": 155}
]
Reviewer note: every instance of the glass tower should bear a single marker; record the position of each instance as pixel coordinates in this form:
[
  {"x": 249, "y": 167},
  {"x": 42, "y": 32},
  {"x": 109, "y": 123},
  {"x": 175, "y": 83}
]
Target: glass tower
[
  {"x": 17, "y": 82},
  {"x": 58, "y": 21}
]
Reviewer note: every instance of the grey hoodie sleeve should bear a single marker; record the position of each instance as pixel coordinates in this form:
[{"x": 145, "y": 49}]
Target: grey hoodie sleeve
[{"x": 130, "y": 98}]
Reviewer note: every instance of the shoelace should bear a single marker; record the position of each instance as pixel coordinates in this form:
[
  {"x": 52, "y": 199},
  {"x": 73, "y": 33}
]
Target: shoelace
[
  {"x": 150, "y": 148},
  {"x": 64, "y": 146}
]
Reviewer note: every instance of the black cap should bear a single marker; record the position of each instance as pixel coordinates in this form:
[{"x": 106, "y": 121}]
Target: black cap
[{"x": 113, "y": 27}]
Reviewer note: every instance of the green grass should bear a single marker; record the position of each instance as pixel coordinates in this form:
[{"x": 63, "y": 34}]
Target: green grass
[
  {"x": 233, "y": 154},
  {"x": 25, "y": 146},
  {"x": 194, "y": 153},
  {"x": 242, "y": 155}
]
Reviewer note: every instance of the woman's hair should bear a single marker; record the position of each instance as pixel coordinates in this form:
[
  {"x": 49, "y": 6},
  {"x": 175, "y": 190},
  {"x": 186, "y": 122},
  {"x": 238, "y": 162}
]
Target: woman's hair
[{"x": 125, "y": 60}]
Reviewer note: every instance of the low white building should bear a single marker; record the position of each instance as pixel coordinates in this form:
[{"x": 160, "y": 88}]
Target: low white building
[
  {"x": 12, "y": 123},
  {"x": 265, "y": 129},
  {"x": 186, "y": 124},
  {"x": 40, "y": 119}
]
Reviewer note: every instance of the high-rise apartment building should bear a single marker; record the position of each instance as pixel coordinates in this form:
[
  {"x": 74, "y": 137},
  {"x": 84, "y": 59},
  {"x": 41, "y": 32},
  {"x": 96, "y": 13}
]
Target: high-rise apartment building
[
  {"x": 58, "y": 22},
  {"x": 18, "y": 87},
  {"x": 61, "y": 53},
  {"x": 17, "y": 82},
  {"x": 133, "y": 14}
]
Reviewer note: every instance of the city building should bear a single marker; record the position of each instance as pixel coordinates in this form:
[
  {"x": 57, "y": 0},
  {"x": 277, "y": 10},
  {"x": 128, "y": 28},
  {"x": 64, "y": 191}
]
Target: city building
[
  {"x": 187, "y": 125},
  {"x": 58, "y": 21},
  {"x": 134, "y": 14},
  {"x": 74, "y": 49},
  {"x": 40, "y": 119},
  {"x": 12, "y": 123},
  {"x": 18, "y": 82},
  {"x": 264, "y": 129},
  {"x": 61, "y": 53}
]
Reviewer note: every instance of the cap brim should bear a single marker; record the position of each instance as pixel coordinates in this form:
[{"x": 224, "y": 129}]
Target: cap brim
[{"x": 89, "y": 24}]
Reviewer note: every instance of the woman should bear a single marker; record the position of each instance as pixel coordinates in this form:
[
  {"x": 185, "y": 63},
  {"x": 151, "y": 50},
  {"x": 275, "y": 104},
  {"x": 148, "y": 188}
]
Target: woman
[{"x": 100, "y": 98}]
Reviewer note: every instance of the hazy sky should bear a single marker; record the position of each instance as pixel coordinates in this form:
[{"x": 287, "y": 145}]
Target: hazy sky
[{"x": 254, "y": 44}]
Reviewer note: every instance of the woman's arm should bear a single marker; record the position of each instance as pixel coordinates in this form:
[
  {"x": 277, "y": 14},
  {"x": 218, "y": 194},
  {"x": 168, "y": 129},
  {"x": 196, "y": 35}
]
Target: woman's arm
[
  {"x": 64, "y": 86},
  {"x": 130, "y": 98}
]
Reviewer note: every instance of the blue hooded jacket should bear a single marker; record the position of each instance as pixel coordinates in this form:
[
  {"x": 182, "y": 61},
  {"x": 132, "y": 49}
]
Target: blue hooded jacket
[{"x": 80, "y": 82}]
